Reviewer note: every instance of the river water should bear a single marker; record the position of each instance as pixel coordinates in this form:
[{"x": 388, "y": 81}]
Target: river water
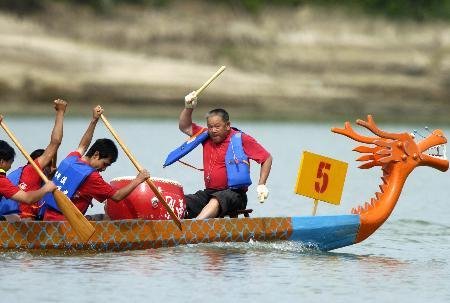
[{"x": 406, "y": 259}]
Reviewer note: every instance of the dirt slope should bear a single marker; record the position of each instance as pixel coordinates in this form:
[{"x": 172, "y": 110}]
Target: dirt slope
[{"x": 295, "y": 64}]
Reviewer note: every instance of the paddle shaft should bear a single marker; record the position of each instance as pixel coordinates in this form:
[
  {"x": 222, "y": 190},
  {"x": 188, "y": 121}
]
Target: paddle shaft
[
  {"x": 80, "y": 224},
  {"x": 213, "y": 77},
  {"x": 24, "y": 153},
  {"x": 139, "y": 168}
]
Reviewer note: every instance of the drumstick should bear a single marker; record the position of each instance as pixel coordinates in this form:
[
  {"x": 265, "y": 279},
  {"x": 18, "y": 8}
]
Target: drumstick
[{"x": 208, "y": 82}]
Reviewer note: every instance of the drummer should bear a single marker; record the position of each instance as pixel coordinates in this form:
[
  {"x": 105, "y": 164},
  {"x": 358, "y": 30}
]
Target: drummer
[
  {"x": 26, "y": 176},
  {"x": 78, "y": 175},
  {"x": 226, "y": 155},
  {"x": 10, "y": 191}
]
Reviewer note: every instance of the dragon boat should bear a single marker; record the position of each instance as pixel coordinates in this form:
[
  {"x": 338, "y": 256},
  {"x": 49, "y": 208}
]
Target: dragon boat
[{"x": 397, "y": 155}]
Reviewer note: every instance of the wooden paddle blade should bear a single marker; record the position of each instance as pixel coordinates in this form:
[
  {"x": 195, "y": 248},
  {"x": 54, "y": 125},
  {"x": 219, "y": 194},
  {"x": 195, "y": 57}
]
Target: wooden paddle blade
[{"x": 80, "y": 224}]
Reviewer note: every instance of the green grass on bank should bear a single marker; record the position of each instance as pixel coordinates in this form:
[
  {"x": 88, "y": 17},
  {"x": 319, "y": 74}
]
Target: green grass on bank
[{"x": 419, "y": 10}]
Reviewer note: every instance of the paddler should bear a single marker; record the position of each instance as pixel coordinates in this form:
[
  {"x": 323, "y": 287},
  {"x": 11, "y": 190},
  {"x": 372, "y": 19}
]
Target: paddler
[
  {"x": 78, "y": 175},
  {"x": 26, "y": 176},
  {"x": 226, "y": 155},
  {"x": 12, "y": 192}
]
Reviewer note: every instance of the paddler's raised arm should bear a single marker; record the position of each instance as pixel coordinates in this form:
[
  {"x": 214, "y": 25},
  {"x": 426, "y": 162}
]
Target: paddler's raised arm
[
  {"x": 185, "y": 122},
  {"x": 57, "y": 133},
  {"x": 87, "y": 137}
]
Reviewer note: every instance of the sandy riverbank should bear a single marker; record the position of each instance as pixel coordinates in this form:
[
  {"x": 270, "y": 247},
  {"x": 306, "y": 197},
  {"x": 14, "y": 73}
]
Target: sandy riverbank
[{"x": 283, "y": 64}]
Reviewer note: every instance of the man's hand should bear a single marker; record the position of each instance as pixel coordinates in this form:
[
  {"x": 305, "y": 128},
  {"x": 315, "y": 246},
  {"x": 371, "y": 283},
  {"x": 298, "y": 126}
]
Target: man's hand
[
  {"x": 190, "y": 101},
  {"x": 97, "y": 112},
  {"x": 263, "y": 192},
  {"x": 60, "y": 105},
  {"x": 143, "y": 175},
  {"x": 49, "y": 187}
]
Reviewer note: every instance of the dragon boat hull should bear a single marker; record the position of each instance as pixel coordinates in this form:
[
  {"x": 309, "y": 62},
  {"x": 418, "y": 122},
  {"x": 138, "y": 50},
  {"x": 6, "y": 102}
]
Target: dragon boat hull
[{"x": 320, "y": 232}]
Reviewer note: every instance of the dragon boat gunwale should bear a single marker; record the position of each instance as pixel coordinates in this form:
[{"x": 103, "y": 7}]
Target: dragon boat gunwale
[{"x": 318, "y": 232}]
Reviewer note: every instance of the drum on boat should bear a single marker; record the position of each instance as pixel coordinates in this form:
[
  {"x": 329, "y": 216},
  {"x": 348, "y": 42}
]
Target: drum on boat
[{"x": 142, "y": 203}]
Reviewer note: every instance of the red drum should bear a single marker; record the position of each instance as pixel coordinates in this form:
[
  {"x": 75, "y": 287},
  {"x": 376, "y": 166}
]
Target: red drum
[{"x": 142, "y": 202}]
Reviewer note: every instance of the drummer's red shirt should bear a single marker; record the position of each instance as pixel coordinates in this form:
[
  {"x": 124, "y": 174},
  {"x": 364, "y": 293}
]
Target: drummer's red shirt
[
  {"x": 94, "y": 187},
  {"x": 7, "y": 189},
  {"x": 215, "y": 171},
  {"x": 29, "y": 181}
]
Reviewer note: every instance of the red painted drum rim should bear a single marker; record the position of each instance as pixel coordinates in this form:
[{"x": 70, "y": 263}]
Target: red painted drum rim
[{"x": 153, "y": 179}]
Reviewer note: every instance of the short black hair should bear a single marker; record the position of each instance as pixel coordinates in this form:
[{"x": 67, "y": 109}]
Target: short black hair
[
  {"x": 7, "y": 153},
  {"x": 106, "y": 149},
  {"x": 36, "y": 154},
  {"x": 219, "y": 112}
]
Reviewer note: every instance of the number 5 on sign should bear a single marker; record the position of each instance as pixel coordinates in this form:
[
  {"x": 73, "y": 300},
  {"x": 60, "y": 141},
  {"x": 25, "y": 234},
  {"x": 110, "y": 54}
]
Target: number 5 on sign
[{"x": 321, "y": 178}]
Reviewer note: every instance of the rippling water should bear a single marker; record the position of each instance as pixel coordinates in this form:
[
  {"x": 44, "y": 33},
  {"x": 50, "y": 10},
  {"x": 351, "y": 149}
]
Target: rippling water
[{"x": 407, "y": 259}]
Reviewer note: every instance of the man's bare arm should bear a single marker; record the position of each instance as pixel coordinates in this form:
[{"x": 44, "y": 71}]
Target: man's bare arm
[
  {"x": 265, "y": 170},
  {"x": 34, "y": 196},
  {"x": 57, "y": 134},
  {"x": 87, "y": 137},
  {"x": 185, "y": 122},
  {"x": 125, "y": 191}
]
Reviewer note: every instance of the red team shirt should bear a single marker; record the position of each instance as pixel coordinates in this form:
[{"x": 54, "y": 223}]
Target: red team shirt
[
  {"x": 94, "y": 187},
  {"x": 215, "y": 171},
  {"x": 7, "y": 189},
  {"x": 29, "y": 181}
]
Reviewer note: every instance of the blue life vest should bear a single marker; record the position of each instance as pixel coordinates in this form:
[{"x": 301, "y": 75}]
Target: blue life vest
[
  {"x": 9, "y": 206},
  {"x": 70, "y": 174},
  {"x": 236, "y": 161},
  {"x": 187, "y": 147}
]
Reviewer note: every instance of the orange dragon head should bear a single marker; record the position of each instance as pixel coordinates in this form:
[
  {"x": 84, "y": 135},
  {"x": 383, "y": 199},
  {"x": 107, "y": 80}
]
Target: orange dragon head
[
  {"x": 398, "y": 149},
  {"x": 398, "y": 155}
]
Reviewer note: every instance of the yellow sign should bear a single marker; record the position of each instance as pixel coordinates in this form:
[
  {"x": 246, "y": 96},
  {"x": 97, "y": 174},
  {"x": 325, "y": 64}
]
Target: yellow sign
[{"x": 321, "y": 178}]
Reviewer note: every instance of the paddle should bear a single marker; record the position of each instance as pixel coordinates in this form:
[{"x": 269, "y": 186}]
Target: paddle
[
  {"x": 213, "y": 77},
  {"x": 139, "y": 168},
  {"x": 79, "y": 223}
]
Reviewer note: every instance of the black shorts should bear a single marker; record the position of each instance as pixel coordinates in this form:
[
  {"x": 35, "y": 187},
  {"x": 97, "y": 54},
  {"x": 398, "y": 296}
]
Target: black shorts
[{"x": 229, "y": 199}]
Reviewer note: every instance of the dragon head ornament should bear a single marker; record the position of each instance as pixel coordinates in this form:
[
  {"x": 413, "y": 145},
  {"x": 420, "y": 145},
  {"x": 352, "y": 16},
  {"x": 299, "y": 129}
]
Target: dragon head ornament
[{"x": 397, "y": 155}]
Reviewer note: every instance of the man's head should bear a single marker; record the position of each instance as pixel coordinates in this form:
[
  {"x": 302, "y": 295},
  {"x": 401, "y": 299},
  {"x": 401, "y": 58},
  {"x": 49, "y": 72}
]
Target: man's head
[
  {"x": 7, "y": 155},
  {"x": 36, "y": 154},
  {"x": 218, "y": 122},
  {"x": 46, "y": 169},
  {"x": 102, "y": 154}
]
